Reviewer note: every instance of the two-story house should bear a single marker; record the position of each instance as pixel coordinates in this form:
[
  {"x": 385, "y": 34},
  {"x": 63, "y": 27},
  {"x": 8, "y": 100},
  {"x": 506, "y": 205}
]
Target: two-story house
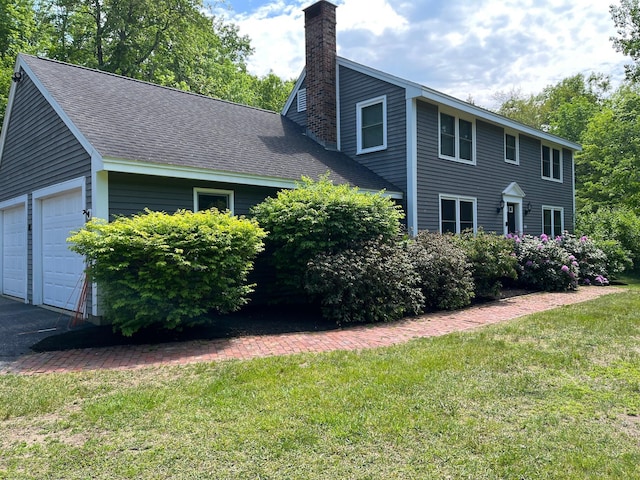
[{"x": 78, "y": 142}]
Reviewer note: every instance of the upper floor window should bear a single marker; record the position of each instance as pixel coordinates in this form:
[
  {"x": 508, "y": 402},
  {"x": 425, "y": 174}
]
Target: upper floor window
[
  {"x": 371, "y": 119},
  {"x": 511, "y": 148},
  {"x": 551, "y": 163},
  {"x": 206, "y": 198},
  {"x": 552, "y": 221},
  {"x": 302, "y": 100},
  {"x": 457, "y": 214},
  {"x": 457, "y": 139}
]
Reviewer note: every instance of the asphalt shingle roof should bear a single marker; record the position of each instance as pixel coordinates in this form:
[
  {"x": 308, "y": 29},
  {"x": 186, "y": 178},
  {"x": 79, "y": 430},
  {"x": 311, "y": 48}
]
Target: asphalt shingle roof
[{"x": 133, "y": 120}]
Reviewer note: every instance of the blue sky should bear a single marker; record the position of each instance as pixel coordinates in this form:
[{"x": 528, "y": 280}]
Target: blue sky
[{"x": 466, "y": 48}]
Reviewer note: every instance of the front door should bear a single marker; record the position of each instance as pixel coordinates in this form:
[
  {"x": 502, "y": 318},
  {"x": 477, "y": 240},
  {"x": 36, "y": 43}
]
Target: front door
[{"x": 511, "y": 218}]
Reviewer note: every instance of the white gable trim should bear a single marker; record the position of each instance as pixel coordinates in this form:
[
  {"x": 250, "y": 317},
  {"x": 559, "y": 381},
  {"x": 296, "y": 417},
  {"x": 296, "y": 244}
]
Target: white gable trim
[
  {"x": 294, "y": 92},
  {"x": 514, "y": 190},
  {"x": 414, "y": 90}
]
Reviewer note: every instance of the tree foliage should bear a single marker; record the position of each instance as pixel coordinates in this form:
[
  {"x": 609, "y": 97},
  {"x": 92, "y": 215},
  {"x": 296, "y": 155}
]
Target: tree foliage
[
  {"x": 626, "y": 18},
  {"x": 174, "y": 43}
]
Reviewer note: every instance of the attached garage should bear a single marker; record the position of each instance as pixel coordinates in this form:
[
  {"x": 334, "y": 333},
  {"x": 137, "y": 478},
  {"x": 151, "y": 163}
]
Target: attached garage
[
  {"x": 13, "y": 249},
  {"x": 58, "y": 272}
]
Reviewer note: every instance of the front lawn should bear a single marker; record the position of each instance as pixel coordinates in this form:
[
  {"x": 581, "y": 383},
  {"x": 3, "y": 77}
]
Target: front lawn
[{"x": 553, "y": 395}]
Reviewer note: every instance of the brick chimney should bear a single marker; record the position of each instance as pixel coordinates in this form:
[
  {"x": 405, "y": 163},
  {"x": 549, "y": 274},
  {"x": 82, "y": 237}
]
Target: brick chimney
[{"x": 320, "y": 51}]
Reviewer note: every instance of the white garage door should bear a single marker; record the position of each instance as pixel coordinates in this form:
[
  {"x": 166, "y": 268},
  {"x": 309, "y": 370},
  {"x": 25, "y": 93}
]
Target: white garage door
[
  {"x": 14, "y": 252},
  {"x": 62, "y": 269}
]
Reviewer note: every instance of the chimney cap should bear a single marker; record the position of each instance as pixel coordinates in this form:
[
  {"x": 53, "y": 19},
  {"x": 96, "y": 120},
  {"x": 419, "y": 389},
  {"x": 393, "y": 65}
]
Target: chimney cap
[{"x": 314, "y": 9}]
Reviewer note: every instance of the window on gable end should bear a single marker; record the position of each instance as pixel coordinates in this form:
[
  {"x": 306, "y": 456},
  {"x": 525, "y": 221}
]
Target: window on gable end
[{"x": 371, "y": 120}]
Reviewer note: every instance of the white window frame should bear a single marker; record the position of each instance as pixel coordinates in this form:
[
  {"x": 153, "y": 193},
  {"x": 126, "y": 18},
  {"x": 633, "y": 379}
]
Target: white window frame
[
  {"x": 301, "y": 99},
  {"x": 517, "y": 137},
  {"x": 456, "y": 157},
  {"x": 360, "y": 106},
  {"x": 553, "y": 209},
  {"x": 212, "y": 191},
  {"x": 458, "y": 199},
  {"x": 551, "y": 170}
]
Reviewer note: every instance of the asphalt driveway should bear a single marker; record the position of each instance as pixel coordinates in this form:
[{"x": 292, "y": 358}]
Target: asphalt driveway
[{"x": 22, "y": 326}]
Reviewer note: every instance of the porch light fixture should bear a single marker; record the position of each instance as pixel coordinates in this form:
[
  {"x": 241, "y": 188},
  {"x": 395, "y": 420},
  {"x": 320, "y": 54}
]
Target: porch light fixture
[
  {"x": 17, "y": 76},
  {"x": 501, "y": 207},
  {"x": 527, "y": 209}
]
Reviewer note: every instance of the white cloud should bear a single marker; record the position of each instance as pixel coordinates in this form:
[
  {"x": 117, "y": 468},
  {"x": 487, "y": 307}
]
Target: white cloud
[{"x": 461, "y": 48}]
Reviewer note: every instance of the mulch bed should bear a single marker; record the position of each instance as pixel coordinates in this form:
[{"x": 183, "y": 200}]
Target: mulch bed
[{"x": 251, "y": 320}]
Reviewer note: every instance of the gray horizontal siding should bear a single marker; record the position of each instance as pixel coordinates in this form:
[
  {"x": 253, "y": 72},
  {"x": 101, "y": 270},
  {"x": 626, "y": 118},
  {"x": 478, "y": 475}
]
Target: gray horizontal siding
[
  {"x": 39, "y": 151},
  {"x": 488, "y": 178},
  {"x": 356, "y": 87},
  {"x": 130, "y": 194}
]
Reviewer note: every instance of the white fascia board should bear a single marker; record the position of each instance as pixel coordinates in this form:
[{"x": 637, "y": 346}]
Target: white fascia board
[
  {"x": 294, "y": 92},
  {"x": 56, "y": 107},
  {"x": 195, "y": 173},
  {"x": 415, "y": 90}
]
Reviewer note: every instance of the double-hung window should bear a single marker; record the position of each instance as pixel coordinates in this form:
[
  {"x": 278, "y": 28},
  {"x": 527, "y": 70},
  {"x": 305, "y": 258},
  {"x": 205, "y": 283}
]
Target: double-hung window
[
  {"x": 551, "y": 163},
  {"x": 457, "y": 138},
  {"x": 552, "y": 221},
  {"x": 511, "y": 148},
  {"x": 371, "y": 125},
  {"x": 206, "y": 198},
  {"x": 457, "y": 214}
]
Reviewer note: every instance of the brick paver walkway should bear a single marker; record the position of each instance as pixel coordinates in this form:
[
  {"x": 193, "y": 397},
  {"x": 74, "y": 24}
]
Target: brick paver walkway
[{"x": 351, "y": 338}]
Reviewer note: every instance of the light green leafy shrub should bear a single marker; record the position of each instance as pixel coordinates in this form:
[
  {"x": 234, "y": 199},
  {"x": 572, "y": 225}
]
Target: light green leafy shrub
[
  {"x": 620, "y": 223},
  {"x": 445, "y": 272},
  {"x": 492, "y": 260},
  {"x": 373, "y": 282},
  {"x": 319, "y": 217},
  {"x": 156, "y": 269}
]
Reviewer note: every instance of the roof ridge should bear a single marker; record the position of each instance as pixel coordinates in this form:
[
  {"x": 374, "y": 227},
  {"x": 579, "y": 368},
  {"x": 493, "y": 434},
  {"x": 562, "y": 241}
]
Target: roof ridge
[{"x": 145, "y": 82}]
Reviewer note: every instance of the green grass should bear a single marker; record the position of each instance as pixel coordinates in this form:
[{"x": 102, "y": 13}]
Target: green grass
[{"x": 553, "y": 395}]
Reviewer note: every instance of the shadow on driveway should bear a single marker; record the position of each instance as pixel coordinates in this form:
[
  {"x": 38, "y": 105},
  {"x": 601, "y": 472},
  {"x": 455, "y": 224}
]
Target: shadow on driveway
[{"x": 22, "y": 326}]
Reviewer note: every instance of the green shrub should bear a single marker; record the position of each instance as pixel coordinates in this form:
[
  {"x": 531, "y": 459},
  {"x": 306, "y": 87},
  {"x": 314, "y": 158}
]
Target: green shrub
[
  {"x": 492, "y": 260},
  {"x": 374, "y": 282},
  {"x": 543, "y": 264},
  {"x": 169, "y": 270},
  {"x": 618, "y": 259},
  {"x": 445, "y": 273},
  {"x": 319, "y": 217},
  {"x": 619, "y": 223}
]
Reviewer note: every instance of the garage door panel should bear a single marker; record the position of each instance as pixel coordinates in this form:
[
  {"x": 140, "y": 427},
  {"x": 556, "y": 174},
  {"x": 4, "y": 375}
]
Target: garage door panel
[
  {"x": 14, "y": 252},
  {"x": 62, "y": 269}
]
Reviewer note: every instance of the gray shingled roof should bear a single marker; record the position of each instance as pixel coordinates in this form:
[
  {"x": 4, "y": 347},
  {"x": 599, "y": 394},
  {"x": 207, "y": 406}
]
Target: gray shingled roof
[{"x": 133, "y": 120}]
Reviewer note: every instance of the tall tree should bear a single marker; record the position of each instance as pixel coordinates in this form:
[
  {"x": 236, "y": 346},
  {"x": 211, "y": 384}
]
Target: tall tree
[
  {"x": 608, "y": 169},
  {"x": 626, "y": 18}
]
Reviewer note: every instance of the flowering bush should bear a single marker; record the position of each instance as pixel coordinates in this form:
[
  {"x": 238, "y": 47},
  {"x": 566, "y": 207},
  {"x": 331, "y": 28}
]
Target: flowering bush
[
  {"x": 446, "y": 283},
  {"x": 544, "y": 264},
  {"x": 590, "y": 260}
]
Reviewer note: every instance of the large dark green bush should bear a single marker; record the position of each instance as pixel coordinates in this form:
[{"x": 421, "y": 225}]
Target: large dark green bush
[
  {"x": 156, "y": 269},
  {"x": 594, "y": 267},
  {"x": 319, "y": 217},
  {"x": 492, "y": 260},
  {"x": 374, "y": 282},
  {"x": 445, "y": 272},
  {"x": 620, "y": 223}
]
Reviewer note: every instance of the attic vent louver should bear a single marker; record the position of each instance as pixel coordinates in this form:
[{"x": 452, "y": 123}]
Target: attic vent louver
[{"x": 302, "y": 100}]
